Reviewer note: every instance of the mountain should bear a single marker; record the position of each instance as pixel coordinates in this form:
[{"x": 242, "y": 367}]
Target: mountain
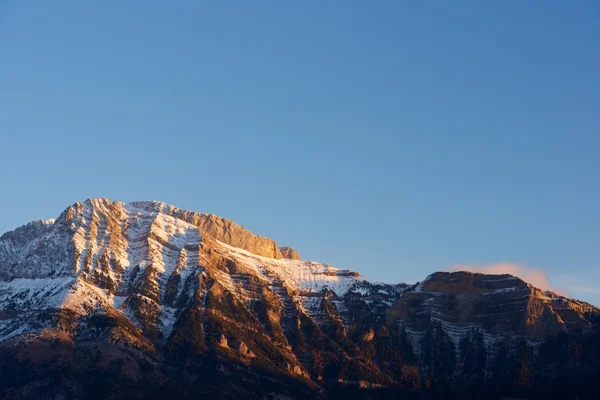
[{"x": 115, "y": 300}]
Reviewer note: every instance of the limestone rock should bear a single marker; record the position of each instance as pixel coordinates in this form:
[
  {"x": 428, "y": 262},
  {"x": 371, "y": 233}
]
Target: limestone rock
[
  {"x": 232, "y": 234},
  {"x": 113, "y": 289},
  {"x": 289, "y": 253},
  {"x": 219, "y": 228}
]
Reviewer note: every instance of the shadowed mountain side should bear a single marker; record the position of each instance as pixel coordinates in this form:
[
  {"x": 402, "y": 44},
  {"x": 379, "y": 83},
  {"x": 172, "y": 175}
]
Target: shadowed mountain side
[{"x": 146, "y": 299}]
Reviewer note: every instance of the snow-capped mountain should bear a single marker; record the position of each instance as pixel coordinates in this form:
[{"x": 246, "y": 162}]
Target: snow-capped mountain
[
  {"x": 164, "y": 293},
  {"x": 101, "y": 255}
]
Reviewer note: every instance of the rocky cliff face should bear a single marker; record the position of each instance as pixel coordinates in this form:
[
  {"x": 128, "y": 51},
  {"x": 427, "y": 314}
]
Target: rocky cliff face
[
  {"x": 149, "y": 299},
  {"x": 223, "y": 230}
]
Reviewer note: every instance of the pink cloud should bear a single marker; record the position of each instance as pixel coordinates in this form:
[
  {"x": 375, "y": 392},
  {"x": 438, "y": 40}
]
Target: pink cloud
[{"x": 534, "y": 276}]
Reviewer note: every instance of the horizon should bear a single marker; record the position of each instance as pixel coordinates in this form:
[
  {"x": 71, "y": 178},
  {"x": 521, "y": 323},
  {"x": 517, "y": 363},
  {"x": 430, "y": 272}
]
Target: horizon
[
  {"x": 534, "y": 277},
  {"x": 395, "y": 140}
]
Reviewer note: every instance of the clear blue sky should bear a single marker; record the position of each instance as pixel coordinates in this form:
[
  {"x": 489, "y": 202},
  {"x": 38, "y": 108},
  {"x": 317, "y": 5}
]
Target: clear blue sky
[{"x": 393, "y": 138}]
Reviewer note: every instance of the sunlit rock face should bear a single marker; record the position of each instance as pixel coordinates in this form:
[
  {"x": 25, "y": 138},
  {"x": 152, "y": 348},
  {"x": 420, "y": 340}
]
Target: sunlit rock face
[
  {"x": 290, "y": 253},
  {"x": 151, "y": 299},
  {"x": 223, "y": 230}
]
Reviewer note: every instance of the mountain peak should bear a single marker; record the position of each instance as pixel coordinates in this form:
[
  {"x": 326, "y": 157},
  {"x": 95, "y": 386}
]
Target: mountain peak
[
  {"x": 177, "y": 285},
  {"x": 211, "y": 225}
]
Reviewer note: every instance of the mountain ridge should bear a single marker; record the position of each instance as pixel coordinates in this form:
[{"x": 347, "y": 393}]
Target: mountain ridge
[{"x": 176, "y": 286}]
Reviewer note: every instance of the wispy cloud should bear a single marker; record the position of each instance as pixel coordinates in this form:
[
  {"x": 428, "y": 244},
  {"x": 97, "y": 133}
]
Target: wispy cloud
[
  {"x": 535, "y": 276},
  {"x": 569, "y": 285}
]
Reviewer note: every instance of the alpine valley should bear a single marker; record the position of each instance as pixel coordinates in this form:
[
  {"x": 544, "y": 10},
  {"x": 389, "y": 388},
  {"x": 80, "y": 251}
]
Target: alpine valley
[{"x": 146, "y": 300}]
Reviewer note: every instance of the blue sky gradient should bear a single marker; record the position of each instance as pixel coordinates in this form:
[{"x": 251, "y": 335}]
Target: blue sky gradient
[{"x": 393, "y": 138}]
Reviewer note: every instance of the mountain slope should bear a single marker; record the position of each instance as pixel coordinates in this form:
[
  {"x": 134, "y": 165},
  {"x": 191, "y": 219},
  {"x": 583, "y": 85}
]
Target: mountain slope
[{"x": 156, "y": 299}]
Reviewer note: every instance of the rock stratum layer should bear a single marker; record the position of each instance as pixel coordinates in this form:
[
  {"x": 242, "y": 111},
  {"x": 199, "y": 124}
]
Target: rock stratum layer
[{"x": 148, "y": 300}]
